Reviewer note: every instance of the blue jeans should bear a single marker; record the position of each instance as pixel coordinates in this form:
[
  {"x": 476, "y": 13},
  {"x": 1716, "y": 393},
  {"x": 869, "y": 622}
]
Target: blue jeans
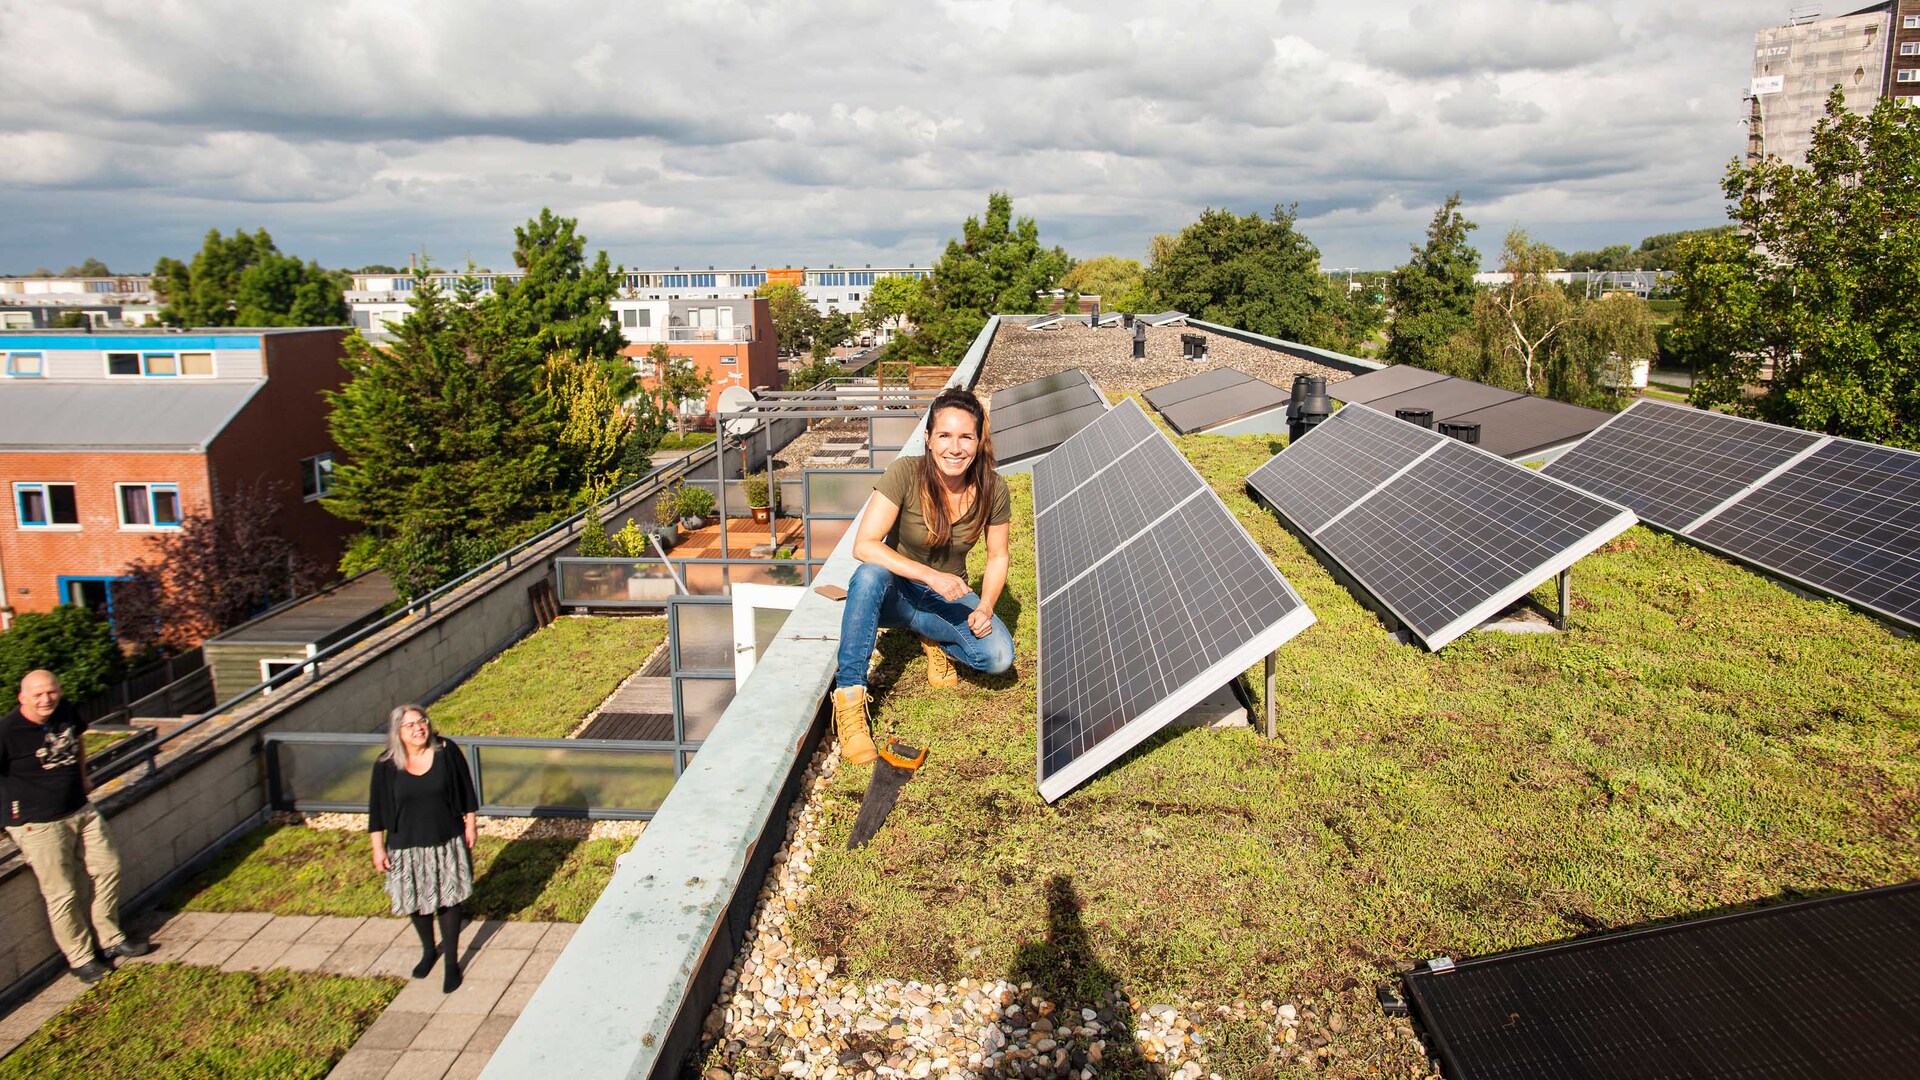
[{"x": 877, "y": 598}]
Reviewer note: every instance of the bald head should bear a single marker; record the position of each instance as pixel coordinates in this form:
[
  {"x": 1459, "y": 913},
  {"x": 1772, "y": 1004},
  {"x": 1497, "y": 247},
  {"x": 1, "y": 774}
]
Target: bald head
[{"x": 39, "y": 695}]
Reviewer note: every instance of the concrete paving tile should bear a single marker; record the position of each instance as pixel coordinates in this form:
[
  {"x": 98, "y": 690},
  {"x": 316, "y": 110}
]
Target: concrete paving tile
[
  {"x": 515, "y": 999},
  {"x": 423, "y": 1065},
  {"x": 301, "y": 956},
  {"x": 393, "y": 1031},
  {"x": 238, "y": 926},
  {"x": 398, "y": 960},
  {"x": 256, "y": 955},
  {"x": 146, "y": 922},
  {"x": 536, "y": 967},
  {"x": 518, "y": 935},
  {"x": 63, "y": 989},
  {"x": 22, "y": 1022},
  {"x": 286, "y": 928},
  {"x": 447, "y": 1031},
  {"x": 331, "y": 930},
  {"x": 380, "y": 932},
  {"x": 351, "y": 959},
  {"x": 362, "y": 1064},
  {"x": 497, "y": 964},
  {"x": 486, "y": 1038},
  {"x": 557, "y": 936},
  {"x": 467, "y": 1066},
  {"x": 193, "y": 924},
  {"x": 211, "y": 953},
  {"x": 419, "y": 996},
  {"x": 475, "y": 996}
]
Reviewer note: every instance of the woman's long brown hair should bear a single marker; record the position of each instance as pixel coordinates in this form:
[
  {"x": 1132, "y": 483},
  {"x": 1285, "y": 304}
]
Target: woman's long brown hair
[{"x": 978, "y": 478}]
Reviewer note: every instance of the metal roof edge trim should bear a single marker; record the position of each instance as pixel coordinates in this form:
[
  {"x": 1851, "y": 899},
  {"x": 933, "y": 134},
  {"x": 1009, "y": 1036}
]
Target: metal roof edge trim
[
  {"x": 627, "y": 972},
  {"x": 1353, "y": 364}
]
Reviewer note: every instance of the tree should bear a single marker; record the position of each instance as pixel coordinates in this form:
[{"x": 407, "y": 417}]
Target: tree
[
  {"x": 836, "y": 329},
  {"x": 995, "y": 266},
  {"x": 593, "y": 423},
  {"x": 215, "y": 572},
  {"x": 247, "y": 281},
  {"x": 75, "y": 644},
  {"x": 560, "y": 303},
  {"x": 676, "y": 380},
  {"x": 813, "y": 373},
  {"x": 1587, "y": 364},
  {"x": 795, "y": 319},
  {"x": 1529, "y": 309},
  {"x": 1113, "y": 279},
  {"x": 1432, "y": 295},
  {"x": 377, "y": 268},
  {"x": 89, "y": 267},
  {"x": 1255, "y": 273},
  {"x": 1813, "y": 302},
  {"x": 896, "y": 302}
]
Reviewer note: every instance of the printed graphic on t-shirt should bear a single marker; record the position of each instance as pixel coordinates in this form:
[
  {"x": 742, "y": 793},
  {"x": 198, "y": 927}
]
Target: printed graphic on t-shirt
[{"x": 61, "y": 749}]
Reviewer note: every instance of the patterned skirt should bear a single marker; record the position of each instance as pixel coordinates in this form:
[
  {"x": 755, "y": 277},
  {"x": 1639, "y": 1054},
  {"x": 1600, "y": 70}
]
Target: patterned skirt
[{"x": 422, "y": 880}]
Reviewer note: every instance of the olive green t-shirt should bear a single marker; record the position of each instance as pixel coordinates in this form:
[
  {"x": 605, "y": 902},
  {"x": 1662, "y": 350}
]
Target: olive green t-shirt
[{"x": 901, "y": 485}]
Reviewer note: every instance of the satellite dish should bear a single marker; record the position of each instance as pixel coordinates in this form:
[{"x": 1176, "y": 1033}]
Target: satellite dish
[{"x": 738, "y": 399}]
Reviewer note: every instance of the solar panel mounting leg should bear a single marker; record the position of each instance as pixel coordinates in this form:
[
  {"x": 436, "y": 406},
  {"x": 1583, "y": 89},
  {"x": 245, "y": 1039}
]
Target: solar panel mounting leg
[
  {"x": 1566, "y": 598},
  {"x": 1273, "y": 731}
]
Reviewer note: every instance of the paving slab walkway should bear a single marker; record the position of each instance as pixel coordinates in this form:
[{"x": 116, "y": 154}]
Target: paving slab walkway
[{"x": 424, "y": 1034}]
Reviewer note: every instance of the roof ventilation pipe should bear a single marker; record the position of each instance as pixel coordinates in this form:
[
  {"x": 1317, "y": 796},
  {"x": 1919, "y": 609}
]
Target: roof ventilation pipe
[
  {"x": 1093, "y": 317},
  {"x": 1308, "y": 406},
  {"x": 1139, "y": 341},
  {"x": 1126, "y": 319},
  {"x": 1468, "y": 433},
  {"x": 1417, "y": 417}
]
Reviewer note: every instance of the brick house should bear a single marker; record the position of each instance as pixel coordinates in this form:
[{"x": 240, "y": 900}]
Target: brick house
[
  {"x": 110, "y": 439},
  {"x": 731, "y": 340}
]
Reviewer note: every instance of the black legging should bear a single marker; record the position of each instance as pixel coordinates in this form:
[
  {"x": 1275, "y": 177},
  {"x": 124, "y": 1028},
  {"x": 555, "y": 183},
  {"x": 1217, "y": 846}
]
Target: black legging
[{"x": 449, "y": 945}]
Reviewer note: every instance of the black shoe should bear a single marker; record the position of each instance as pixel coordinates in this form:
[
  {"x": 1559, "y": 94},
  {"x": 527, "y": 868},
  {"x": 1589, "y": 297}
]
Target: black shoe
[
  {"x": 127, "y": 948},
  {"x": 92, "y": 971}
]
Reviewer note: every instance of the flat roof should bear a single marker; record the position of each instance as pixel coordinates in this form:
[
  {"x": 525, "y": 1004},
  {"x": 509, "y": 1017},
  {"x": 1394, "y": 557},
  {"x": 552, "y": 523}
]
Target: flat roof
[
  {"x": 318, "y": 618},
  {"x": 146, "y": 414}
]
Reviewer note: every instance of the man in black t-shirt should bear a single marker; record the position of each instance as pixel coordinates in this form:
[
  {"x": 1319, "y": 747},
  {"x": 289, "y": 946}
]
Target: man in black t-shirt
[{"x": 43, "y": 803}]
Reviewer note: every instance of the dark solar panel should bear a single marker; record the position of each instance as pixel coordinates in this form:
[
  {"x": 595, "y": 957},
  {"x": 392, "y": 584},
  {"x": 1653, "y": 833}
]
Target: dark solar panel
[
  {"x": 1528, "y": 425},
  {"x": 1004, "y": 417},
  {"x": 1046, "y": 384},
  {"x": 1816, "y": 989},
  {"x": 1451, "y": 541},
  {"x": 1383, "y": 383},
  {"x": 1673, "y": 464},
  {"x": 1224, "y": 406},
  {"x": 1442, "y": 534},
  {"x": 1193, "y": 386},
  {"x": 1034, "y": 417},
  {"x": 1042, "y": 435},
  {"x": 1151, "y": 595},
  {"x": 1445, "y": 397},
  {"x": 1844, "y": 520},
  {"x": 1337, "y": 464}
]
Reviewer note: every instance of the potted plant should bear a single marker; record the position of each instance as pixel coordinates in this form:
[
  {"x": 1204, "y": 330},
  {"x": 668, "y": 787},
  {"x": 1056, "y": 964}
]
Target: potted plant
[
  {"x": 757, "y": 499},
  {"x": 782, "y": 571},
  {"x": 695, "y": 504},
  {"x": 666, "y": 516}
]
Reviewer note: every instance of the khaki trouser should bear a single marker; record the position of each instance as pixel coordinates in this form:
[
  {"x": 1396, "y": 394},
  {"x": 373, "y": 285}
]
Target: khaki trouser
[{"x": 59, "y": 851}]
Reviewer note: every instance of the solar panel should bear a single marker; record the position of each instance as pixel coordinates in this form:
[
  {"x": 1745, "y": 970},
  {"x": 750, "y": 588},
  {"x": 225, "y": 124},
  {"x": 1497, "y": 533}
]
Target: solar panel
[
  {"x": 1445, "y": 398},
  {"x": 1442, "y": 534},
  {"x": 1151, "y": 595},
  {"x": 1673, "y": 464},
  {"x": 1046, "y": 384},
  {"x": 1814, "y": 989},
  {"x": 1528, "y": 425},
  {"x": 1378, "y": 384},
  {"x": 1068, "y": 397},
  {"x": 1212, "y": 398},
  {"x": 1034, "y": 417}
]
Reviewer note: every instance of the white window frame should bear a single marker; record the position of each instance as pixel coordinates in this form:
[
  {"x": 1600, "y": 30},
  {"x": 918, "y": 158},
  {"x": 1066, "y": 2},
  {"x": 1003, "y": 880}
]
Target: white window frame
[
  {"x": 1907, "y": 75},
  {"x": 213, "y": 363},
  {"x": 45, "y": 487},
  {"x": 153, "y": 524},
  {"x": 1910, "y": 22},
  {"x": 310, "y": 466},
  {"x": 41, "y": 365}
]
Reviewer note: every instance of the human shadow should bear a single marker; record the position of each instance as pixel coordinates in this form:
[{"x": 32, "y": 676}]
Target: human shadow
[
  {"x": 515, "y": 879},
  {"x": 1064, "y": 970}
]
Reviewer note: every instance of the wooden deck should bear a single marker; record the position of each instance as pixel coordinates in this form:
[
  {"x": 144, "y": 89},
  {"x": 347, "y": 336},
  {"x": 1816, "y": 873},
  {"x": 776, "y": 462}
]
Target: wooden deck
[{"x": 742, "y": 537}]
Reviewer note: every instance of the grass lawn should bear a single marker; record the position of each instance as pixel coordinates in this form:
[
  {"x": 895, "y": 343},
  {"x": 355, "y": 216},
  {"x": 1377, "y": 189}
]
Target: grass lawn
[
  {"x": 96, "y": 741},
  {"x": 689, "y": 441},
  {"x": 546, "y": 684},
  {"x": 1700, "y": 738},
  {"x": 166, "y": 1021},
  {"x": 293, "y": 870}
]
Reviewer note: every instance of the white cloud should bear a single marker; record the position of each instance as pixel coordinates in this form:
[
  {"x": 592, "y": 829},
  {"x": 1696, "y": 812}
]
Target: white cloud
[{"x": 697, "y": 132}]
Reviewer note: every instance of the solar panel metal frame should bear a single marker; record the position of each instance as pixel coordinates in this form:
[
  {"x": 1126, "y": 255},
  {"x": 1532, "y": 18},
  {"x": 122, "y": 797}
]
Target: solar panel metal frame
[
  {"x": 1690, "y": 531},
  {"x": 1128, "y": 418},
  {"x": 1508, "y": 1044},
  {"x": 1395, "y": 379},
  {"x": 1040, "y": 427},
  {"x": 1437, "y": 638}
]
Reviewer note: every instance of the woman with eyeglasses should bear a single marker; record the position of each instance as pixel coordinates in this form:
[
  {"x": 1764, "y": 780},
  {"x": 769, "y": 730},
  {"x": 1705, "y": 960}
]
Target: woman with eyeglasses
[
  {"x": 421, "y": 814},
  {"x": 928, "y": 512}
]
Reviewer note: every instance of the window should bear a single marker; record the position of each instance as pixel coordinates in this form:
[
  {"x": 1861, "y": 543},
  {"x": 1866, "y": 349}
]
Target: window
[
  {"x": 93, "y": 593},
  {"x": 149, "y": 506},
  {"x": 196, "y": 363},
  {"x": 316, "y": 476},
  {"x": 703, "y": 281},
  {"x": 860, "y": 277},
  {"x": 750, "y": 280},
  {"x": 26, "y": 364},
  {"x": 636, "y": 318},
  {"x": 1910, "y": 48},
  {"x": 123, "y": 363},
  {"x": 729, "y": 360},
  {"x": 1907, "y": 75},
  {"x": 16, "y": 320},
  {"x": 46, "y": 506},
  {"x": 1910, "y": 22}
]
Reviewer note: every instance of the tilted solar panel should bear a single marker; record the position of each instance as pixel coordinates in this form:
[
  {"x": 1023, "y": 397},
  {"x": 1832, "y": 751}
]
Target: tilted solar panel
[
  {"x": 1193, "y": 386},
  {"x": 1151, "y": 595},
  {"x": 1046, "y": 384},
  {"x": 1212, "y": 398},
  {"x": 1378, "y": 384},
  {"x": 1034, "y": 417},
  {"x": 1447, "y": 535}
]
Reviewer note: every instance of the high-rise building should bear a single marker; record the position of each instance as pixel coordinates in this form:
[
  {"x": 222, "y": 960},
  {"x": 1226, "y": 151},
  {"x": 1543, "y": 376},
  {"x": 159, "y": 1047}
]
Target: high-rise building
[{"x": 1870, "y": 53}]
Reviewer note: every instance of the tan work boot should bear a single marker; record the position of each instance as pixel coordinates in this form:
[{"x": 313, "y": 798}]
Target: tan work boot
[
  {"x": 939, "y": 665},
  {"x": 850, "y": 722}
]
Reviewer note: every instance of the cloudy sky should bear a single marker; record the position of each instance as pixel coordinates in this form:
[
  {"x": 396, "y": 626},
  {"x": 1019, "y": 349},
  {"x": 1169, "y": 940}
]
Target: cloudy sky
[{"x": 712, "y": 132}]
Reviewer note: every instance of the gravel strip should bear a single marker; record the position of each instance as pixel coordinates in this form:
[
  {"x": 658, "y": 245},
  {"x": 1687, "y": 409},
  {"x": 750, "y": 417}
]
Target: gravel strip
[
  {"x": 1019, "y": 355},
  {"x": 507, "y": 828}
]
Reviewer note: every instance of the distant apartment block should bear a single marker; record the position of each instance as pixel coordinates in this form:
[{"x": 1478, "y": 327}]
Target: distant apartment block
[
  {"x": 731, "y": 340},
  {"x": 31, "y": 303},
  {"x": 108, "y": 439},
  {"x": 378, "y": 299},
  {"x": 1870, "y": 54}
]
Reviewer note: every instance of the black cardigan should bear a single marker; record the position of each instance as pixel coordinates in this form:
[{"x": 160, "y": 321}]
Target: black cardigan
[{"x": 412, "y": 829}]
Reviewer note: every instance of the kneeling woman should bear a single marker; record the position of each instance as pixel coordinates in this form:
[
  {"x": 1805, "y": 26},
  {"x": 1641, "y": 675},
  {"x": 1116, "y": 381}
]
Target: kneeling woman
[
  {"x": 912, "y": 545},
  {"x": 420, "y": 811}
]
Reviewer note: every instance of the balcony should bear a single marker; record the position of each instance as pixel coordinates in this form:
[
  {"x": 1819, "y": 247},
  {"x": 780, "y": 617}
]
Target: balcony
[{"x": 649, "y": 335}]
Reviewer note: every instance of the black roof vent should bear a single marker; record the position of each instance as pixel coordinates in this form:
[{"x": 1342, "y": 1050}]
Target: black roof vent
[
  {"x": 1467, "y": 433},
  {"x": 1139, "y": 341},
  {"x": 1420, "y": 417}
]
